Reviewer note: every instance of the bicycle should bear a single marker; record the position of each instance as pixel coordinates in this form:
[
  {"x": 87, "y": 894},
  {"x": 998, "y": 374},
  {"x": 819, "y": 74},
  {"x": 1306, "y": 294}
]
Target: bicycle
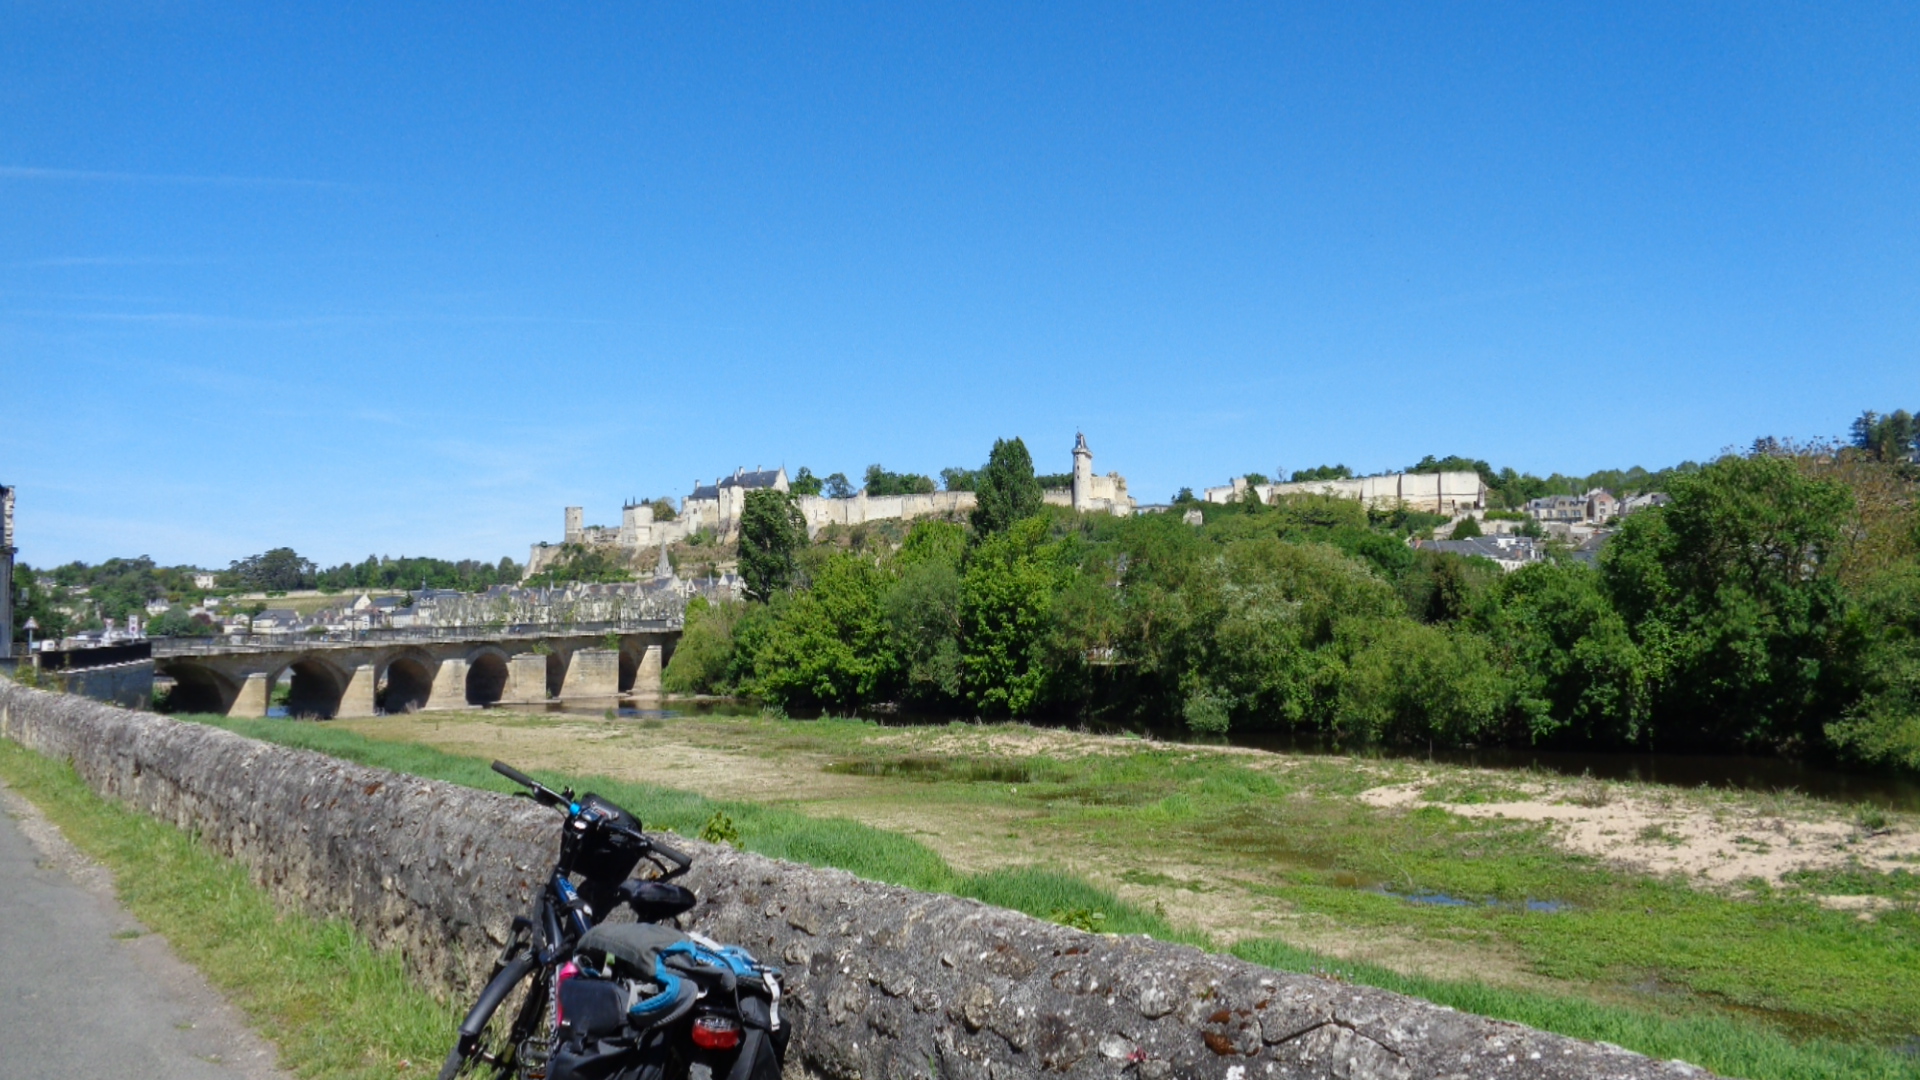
[{"x": 509, "y": 1031}]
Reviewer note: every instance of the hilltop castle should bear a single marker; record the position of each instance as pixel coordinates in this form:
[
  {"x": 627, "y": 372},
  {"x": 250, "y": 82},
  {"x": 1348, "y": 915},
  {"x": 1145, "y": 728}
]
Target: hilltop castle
[{"x": 717, "y": 507}]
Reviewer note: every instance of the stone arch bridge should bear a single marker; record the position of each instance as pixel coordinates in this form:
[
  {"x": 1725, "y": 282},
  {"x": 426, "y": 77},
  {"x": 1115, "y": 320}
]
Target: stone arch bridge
[{"x": 394, "y": 674}]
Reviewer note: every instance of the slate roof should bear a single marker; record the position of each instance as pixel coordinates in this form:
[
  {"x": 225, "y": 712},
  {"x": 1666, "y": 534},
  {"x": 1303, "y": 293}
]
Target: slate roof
[
  {"x": 1486, "y": 547},
  {"x": 765, "y": 478},
  {"x": 741, "y": 478}
]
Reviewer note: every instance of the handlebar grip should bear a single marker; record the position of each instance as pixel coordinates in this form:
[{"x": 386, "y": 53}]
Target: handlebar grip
[
  {"x": 515, "y": 775},
  {"x": 671, "y": 852}
]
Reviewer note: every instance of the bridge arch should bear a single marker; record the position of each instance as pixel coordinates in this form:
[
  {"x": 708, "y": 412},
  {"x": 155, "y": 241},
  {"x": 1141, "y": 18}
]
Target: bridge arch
[
  {"x": 487, "y": 675},
  {"x": 405, "y": 682},
  {"x": 631, "y": 651},
  {"x": 316, "y": 690},
  {"x": 198, "y": 688}
]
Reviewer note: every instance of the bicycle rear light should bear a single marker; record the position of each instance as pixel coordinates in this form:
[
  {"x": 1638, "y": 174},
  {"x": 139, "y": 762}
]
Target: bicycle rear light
[{"x": 716, "y": 1032}]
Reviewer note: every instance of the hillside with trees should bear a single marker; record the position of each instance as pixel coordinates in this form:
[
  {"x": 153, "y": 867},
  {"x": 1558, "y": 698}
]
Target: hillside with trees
[{"x": 1773, "y": 606}]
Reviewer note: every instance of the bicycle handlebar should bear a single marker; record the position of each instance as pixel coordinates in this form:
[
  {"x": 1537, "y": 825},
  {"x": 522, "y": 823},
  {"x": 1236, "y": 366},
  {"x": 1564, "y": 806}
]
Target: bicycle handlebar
[
  {"x": 549, "y": 797},
  {"x": 673, "y": 853},
  {"x": 543, "y": 794}
]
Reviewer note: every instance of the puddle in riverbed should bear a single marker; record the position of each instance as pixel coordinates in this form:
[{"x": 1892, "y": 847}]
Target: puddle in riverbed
[{"x": 1430, "y": 898}]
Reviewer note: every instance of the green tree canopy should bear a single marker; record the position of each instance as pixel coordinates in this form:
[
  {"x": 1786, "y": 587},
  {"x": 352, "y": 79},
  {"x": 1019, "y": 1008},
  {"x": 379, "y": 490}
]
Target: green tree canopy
[
  {"x": 1893, "y": 437},
  {"x": 827, "y": 644},
  {"x": 1006, "y": 605},
  {"x": 771, "y": 531},
  {"x": 1732, "y": 586},
  {"x": 281, "y": 569},
  {"x": 35, "y": 601},
  {"x": 955, "y": 478},
  {"x": 805, "y": 483},
  {"x": 881, "y": 482},
  {"x": 1323, "y": 472},
  {"x": 1008, "y": 491},
  {"x": 407, "y": 572}
]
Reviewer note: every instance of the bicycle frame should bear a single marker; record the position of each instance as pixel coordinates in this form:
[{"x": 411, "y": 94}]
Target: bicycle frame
[{"x": 552, "y": 927}]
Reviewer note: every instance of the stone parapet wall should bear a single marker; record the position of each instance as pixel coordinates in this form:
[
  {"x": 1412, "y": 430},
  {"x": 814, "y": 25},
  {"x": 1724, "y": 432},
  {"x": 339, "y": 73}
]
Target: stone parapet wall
[{"x": 883, "y": 982}]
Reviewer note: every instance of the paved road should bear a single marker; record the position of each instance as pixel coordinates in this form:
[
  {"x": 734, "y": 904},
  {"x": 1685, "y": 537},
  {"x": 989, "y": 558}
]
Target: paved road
[{"x": 85, "y": 990}]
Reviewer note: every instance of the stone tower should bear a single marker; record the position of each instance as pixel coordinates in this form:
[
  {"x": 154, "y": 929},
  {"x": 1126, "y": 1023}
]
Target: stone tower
[
  {"x": 576, "y": 524},
  {"x": 1082, "y": 474}
]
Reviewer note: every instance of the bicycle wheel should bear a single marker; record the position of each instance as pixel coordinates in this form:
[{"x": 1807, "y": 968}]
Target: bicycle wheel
[{"x": 510, "y": 1011}]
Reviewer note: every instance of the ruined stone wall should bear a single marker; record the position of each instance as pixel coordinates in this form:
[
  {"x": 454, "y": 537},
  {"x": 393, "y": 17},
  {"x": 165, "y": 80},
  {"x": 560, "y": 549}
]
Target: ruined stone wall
[{"x": 883, "y": 982}]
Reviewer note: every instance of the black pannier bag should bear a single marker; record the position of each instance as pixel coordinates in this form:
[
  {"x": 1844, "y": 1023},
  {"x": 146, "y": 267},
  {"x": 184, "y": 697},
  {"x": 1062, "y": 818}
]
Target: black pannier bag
[{"x": 621, "y": 1014}]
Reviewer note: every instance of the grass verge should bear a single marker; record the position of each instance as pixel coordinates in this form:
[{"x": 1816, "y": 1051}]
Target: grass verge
[
  {"x": 336, "y": 1009},
  {"x": 1729, "y": 1044}
]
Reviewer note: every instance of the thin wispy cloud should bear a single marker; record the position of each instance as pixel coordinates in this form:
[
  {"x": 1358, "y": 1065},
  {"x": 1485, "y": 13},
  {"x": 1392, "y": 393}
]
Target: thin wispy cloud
[{"x": 28, "y": 172}]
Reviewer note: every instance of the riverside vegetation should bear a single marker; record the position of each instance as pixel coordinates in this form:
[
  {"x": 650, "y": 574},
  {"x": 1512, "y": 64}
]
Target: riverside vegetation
[{"x": 1772, "y": 607}]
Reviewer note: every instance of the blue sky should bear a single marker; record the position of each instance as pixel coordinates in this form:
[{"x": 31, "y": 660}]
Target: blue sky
[{"x": 409, "y": 279}]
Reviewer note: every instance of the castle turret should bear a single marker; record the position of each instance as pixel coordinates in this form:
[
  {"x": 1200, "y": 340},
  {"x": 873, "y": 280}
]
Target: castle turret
[
  {"x": 576, "y": 524},
  {"x": 636, "y": 524},
  {"x": 1082, "y": 474}
]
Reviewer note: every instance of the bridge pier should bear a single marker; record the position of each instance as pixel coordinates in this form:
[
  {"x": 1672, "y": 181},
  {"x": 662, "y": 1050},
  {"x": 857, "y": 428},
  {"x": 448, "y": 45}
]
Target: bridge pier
[
  {"x": 526, "y": 679},
  {"x": 647, "y": 679},
  {"x": 359, "y": 697},
  {"x": 254, "y": 696},
  {"x": 592, "y": 673},
  {"x": 449, "y": 685}
]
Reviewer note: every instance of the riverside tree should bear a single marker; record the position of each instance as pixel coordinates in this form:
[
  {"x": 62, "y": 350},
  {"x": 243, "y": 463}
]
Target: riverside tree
[
  {"x": 1006, "y": 489},
  {"x": 771, "y": 531}
]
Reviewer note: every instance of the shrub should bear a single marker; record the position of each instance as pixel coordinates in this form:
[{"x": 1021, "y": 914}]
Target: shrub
[
  {"x": 1206, "y": 715},
  {"x": 1408, "y": 682}
]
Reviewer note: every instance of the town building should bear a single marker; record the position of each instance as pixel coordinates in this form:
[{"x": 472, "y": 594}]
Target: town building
[
  {"x": 1596, "y": 507},
  {"x": 1510, "y": 553},
  {"x": 1633, "y": 504}
]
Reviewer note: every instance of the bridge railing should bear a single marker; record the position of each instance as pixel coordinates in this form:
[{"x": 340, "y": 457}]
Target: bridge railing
[{"x": 280, "y": 641}]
